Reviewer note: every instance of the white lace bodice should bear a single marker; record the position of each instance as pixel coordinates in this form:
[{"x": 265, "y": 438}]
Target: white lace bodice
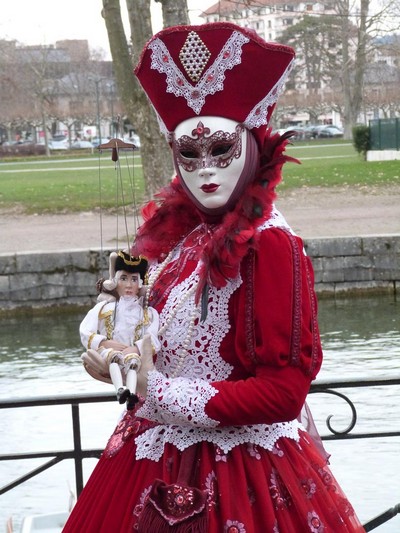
[
  {"x": 177, "y": 401},
  {"x": 203, "y": 360}
]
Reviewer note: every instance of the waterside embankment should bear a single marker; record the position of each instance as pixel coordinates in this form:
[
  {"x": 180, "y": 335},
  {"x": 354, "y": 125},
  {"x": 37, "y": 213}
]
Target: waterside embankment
[{"x": 344, "y": 266}]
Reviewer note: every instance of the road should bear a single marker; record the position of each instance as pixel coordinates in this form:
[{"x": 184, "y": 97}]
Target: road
[{"x": 311, "y": 212}]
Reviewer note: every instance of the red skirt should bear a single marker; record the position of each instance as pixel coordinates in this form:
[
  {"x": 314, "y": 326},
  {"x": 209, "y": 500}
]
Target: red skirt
[{"x": 248, "y": 490}]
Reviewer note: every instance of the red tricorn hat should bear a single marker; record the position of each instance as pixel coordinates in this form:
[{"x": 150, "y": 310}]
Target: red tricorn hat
[{"x": 217, "y": 69}]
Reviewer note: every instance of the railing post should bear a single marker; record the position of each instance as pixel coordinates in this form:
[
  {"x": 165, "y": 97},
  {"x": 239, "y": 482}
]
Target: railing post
[{"x": 76, "y": 427}]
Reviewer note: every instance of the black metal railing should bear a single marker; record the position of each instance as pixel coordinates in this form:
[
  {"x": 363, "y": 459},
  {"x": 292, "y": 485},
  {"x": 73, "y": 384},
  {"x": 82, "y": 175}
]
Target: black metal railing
[
  {"x": 78, "y": 454},
  {"x": 331, "y": 386}
]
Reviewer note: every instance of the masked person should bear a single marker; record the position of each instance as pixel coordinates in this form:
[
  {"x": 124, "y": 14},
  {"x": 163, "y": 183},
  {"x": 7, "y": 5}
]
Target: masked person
[
  {"x": 114, "y": 328},
  {"x": 215, "y": 444}
]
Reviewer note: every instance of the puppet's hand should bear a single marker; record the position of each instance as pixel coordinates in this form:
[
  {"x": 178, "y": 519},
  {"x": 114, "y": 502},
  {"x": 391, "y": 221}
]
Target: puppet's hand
[
  {"x": 114, "y": 345},
  {"x": 147, "y": 364},
  {"x": 96, "y": 366}
]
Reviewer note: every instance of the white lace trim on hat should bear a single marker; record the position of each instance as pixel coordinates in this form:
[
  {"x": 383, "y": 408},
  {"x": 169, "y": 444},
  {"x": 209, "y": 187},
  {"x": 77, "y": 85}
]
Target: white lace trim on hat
[
  {"x": 163, "y": 127},
  {"x": 258, "y": 116},
  {"x": 211, "y": 81}
]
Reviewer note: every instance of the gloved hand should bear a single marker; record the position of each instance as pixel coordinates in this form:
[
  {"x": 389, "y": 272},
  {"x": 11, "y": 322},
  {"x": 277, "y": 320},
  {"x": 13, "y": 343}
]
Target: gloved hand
[{"x": 96, "y": 366}]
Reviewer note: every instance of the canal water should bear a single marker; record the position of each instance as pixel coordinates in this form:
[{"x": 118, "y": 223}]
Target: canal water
[{"x": 41, "y": 356}]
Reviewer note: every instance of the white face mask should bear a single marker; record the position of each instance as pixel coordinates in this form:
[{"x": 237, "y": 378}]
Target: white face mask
[{"x": 210, "y": 155}]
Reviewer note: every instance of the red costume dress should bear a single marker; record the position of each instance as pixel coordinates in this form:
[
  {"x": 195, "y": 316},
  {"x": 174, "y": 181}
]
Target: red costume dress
[
  {"x": 216, "y": 446},
  {"x": 221, "y": 411}
]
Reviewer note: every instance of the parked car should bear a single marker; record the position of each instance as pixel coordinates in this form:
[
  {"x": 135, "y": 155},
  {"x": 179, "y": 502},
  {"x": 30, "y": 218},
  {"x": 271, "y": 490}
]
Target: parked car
[
  {"x": 96, "y": 141},
  {"x": 78, "y": 145},
  {"x": 135, "y": 139},
  {"x": 313, "y": 131},
  {"x": 330, "y": 131},
  {"x": 298, "y": 132},
  {"x": 24, "y": 148},
  {"x": 60, "y": 137},
  {"x": 59, "y": 142}
]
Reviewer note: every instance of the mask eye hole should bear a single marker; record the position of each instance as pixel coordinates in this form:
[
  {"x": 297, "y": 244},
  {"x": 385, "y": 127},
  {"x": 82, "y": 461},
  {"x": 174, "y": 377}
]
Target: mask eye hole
[
  {"x": 189, "y": 154},
  {"x": 221, "y": 149}
]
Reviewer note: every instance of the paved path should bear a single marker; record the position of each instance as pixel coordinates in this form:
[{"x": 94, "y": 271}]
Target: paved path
[{"x": 314, "y": 212}]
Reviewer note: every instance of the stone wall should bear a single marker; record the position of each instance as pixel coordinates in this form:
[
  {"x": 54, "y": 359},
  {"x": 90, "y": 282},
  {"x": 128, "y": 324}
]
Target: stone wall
[
  {"x": 355, "y": 264},
  {"x": 343, "y": 266},
  {"x": 47, "y": 280}
]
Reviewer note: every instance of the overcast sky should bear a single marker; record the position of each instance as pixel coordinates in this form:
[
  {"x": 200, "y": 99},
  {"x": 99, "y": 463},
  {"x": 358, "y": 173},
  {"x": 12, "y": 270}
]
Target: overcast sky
[{"x": 47, "y": 21}]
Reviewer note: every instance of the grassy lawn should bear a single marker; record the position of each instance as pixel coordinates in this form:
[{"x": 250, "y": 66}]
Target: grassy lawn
[
  {"x": 86, "y": 182},
  {"x": 334, "y": 165},
  {"x": 78, "y": 184}
]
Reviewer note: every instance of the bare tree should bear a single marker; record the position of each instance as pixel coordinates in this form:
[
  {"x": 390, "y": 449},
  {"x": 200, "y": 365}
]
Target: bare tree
[
  {"x": 39, "y": 82},
  {"x": 339, "y": 65},
  {"x": 358, "y": 47},
  {"x": 9, "y": 88},
  {"x": 175, "y": 12},
  {"x": 309, "y": 37},
  {"x": 290, "y": 103},
  {"x": 156, "y": 158},
  {"x": 19, "y": 89}
]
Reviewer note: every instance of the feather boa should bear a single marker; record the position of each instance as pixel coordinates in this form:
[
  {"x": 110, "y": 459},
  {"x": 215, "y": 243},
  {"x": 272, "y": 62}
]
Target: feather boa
[{"x": 172, "y": 215}]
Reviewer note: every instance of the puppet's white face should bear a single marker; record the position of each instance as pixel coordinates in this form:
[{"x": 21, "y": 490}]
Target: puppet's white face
[
  {"x": 128, "y": 283},
  {"x": 209, "y": 156}
]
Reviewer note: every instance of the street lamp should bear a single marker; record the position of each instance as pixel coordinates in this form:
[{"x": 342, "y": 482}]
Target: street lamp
[
  {"x": 96, "y": 82},
  {"x": 111, "y": 91}
]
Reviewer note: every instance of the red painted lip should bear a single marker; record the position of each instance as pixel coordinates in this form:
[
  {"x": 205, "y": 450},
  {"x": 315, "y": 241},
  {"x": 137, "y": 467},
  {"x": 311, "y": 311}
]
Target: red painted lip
[{"x": 209, "y": 187}]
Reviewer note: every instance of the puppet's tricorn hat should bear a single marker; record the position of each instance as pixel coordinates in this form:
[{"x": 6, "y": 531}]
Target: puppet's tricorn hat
[
  {"x": 216, "y": 69},
  {"x": 124, "y": 261},
  {"x": 120, "y": 260}
]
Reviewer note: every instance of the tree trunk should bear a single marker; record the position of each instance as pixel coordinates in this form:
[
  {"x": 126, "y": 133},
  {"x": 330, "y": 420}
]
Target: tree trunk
[
  {"x": 343, "y": 11},
  {"x": 155, "y": 152},
  {"x": 360, "y": 62},
  {"x": 353, "y": 72},
  {"x": 175, "y": 12}
]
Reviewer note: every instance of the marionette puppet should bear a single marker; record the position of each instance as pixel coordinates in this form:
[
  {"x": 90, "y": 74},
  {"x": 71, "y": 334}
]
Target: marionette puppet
[{"x": 113, "y": 330}]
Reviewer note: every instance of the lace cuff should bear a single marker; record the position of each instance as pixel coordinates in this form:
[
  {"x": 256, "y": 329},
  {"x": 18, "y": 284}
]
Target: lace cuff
[{"x": 179, "y": 401}]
